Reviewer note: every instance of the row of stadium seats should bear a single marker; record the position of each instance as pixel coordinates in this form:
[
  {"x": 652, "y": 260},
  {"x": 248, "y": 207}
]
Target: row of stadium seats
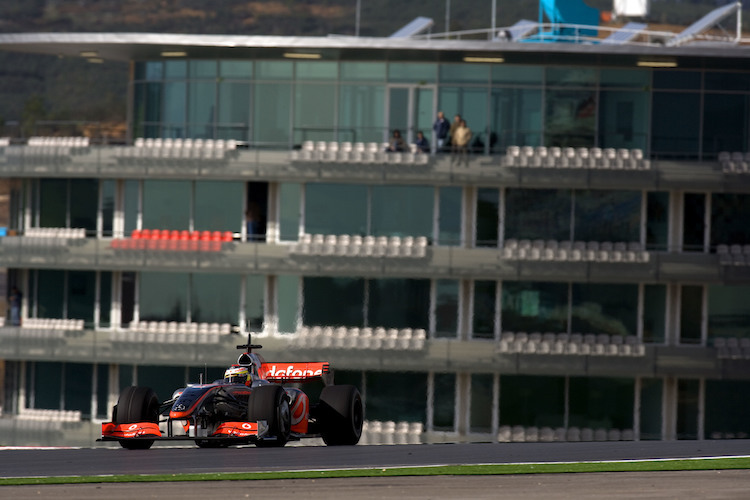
[
  {"x": 168, "y": 150},
  {"x": 574, "y": 251},
  {"x": 521, "y": 434},
  {"x": 570, "y": 344},
  {"x": 140, "y": 337},
  {"x": 55, "y": 232},
  {"x": 49, "y": 415},
  {"x": 72, "y": 142},
  {"x": 732, "y": 347},
  {"x": 51, "y": 149},
  {"x": 735, "y": 162},
  {"x": 733, "y": 255},
  {"x": 359, "y": 246},
  {"x": 357, "y": 152},
  {"x": 180, "y": 327},
  {"x": 729, "y": 435},
  {"x": 53, "y": 324},
  {"x": 555, "y": 157},
  {"x": 389, "y": 432},
  {"x": 176, "y": 241},
  {"x": 360, "y": 338}
]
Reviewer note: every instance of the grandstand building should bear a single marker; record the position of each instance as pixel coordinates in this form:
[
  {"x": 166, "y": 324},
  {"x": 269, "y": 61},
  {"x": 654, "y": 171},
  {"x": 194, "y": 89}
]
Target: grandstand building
[{"x": 583, "y": 273}]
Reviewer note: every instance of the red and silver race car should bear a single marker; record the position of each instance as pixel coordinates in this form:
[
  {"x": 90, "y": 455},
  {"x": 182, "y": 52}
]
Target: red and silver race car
[{"x": 249, "y": 405}]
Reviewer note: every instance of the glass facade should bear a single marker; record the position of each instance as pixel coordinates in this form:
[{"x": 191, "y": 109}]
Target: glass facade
[{"x": 503, "y": 104}]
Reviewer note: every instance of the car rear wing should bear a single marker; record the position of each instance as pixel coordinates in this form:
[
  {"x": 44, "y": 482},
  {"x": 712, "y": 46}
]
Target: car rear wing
[{"x": 296, "y": 372}]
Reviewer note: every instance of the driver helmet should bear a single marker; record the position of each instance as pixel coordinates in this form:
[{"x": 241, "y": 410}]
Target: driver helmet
[{"x": 236, "y": 374}]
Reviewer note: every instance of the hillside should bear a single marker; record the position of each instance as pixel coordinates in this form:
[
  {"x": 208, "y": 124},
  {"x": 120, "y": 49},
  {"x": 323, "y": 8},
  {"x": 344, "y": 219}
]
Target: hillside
[{"x": 46, "y": 88}]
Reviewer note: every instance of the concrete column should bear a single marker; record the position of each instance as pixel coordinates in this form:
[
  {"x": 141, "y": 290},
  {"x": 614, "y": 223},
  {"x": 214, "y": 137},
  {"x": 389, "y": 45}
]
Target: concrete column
[
  {"x": 465, "y": 309},
  {"x": 113, "y": 390},
  {"x": 676, "y": 217},
  {"x": 669, "y": 409},
  {"x": 463, "y": 403},
  {"x": 672, "y": 323},
  {"x": 272, "y": 217}
]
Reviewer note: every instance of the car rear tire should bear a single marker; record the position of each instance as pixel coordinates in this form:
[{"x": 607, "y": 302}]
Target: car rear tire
[
  {"x": 342, "y": 414},
  {"x": 270, "y": 403},
  {"x": 136, "y": 404}
]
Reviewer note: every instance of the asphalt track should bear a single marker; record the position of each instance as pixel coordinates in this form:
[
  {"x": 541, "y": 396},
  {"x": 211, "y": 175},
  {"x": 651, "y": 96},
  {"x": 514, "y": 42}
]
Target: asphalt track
[{"x": 727, "y": 484}]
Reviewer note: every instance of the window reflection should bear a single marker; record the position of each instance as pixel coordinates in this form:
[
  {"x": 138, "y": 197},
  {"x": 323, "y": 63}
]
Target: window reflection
[
  {"x": 728, "y": 311},
  {"x": 532, "y": 401},
  {"x": 607, "y": 215},
  {"x": 729, "y": 215},
  {"x": 444, "y": 402},
  {"x": 481, "y": 402},
  {"x": 450, "y": 216},
  {"x": 483, "y": 324},
  {"x": 604, "y": 308},
  {"x": 535, "y": 307},
  {"x": 399, "y": 303},
  {"x": 214, "y": 298},
  {"x": 333, "y": 301},
  {"x": 446, "y": 308},
  {"x": 537, "y": 214}
]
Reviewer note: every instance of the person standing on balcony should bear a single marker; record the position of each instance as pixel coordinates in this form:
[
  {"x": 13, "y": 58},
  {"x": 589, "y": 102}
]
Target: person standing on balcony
[
  {"x": 452, "y": 132},
  {"x": 460, "y": 138},
  {"x": 441, "y": 127}
]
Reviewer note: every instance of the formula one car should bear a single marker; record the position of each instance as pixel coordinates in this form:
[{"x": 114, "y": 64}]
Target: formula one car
[{"x": 249, "y": 405}]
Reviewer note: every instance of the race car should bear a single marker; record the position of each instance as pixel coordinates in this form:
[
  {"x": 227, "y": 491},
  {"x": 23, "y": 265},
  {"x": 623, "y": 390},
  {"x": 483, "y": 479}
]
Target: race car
[{"x": 250, "y": 405}]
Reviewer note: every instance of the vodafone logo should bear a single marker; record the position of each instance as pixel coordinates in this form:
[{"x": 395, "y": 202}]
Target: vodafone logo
[
  {"x": 291, "y": 372},
  {"x": 247, "y": 426},
  {"x": 133, "y": 427}
]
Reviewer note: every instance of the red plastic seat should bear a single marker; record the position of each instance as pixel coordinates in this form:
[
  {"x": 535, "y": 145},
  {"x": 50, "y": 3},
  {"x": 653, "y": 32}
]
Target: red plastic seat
[
  {"x": 205, "y": 235},
  {"x": 155, "y": 234},
  {"x": 184, "y": 235},
  {"x": 174, "y": 235},
  {"x": 195, "y": 236},
  {"x": 145, "y": 234},
  {"x": 136, "y": 234},
  {"x": 227, "y": 236}
]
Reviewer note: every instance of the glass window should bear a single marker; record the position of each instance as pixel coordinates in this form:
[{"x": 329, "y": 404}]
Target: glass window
[
  {"x": 78, "y": 387},
  {"x": 532, "y": 401},
  {"x": 488, "y": 217},
  {"x": 361, "y": 112},
  {"x": 50, "y": 294},
  {"x": 571, "y": 77},
  {"x": 677, "y": 80},
  {"x": 162, "y": 379},
  {"x": 105, "y": 298},
  {"x": 81, "y": 295},
  {"x": 402, "y": 210},
  {"x": 654, "y": 313},
  {"x": 506, "y": 74},
  {"x": 399, "y": 303},
  {"x": 203, "y": 69},
  {"x": 166, "y": 204},
  {"x": 725, "y": 122},
  {"x": 446, "y": 308},
  {"x": 671, "y": 136},
  {"x": 255, "y": 292},
  {"x": 53, "y": 202},
  {"x": 271, "y": 120},
  {"x": 236, "y": 69},
  {"x": 725, "y": 81},
  {"x": 412, "y": 72},
  {"x": 175, "y": 69},
  {"x": 147, "y": 109},
  {"x": 214, "y": 298},
  {"x": 153, "y": 70},
  {"x": 624, "y": 78},
  {"x": 108, "y": 206},
  {"x": 603, "y": 215},
  {"x": 288, "y": 303},
  {"x": 688, "y": 399},
  {"x": 289, "y": 216},
  {"x": 694, "y": 222},
  {"x": 362, "y": 71},
  {"x": 274, "y": 70},
  {"x": 464, "y": 73},
  {"x": 218, "y": 206},
  {"x": 131, "y": 208},
  {"x": 729, "y": 215},
  {"x": 651, "y": 408},
  {"x": 175, "y": 95},
  {"x": 623, "y": 120},
  {"x": 102, "y": 393},
  {"x": 483, "y": 324},
  {"x": 163, "y": 296},
  {"x": 202, "y": 109},
  {"x": 234, "y": 110},
  {"x": 335, "y": 209},
  {"x": 691, "y": 314},
  {"x": 601, "y": 403},
  {"x": 570, "y": 118},
  {"x": 316, "y": 70},
  {"x": 449, "y": 223},
  {"x": 315, "y": 113},
  {"x": 333, "y": 302},
  {"x": 480, "y": 416},
  {"x": 515, "y": 118},
  {"x": 84, "y": 203},
  {"x": 444, "y": 402},
  {"x": 396, "y": 396},
  {"x": 728, "y": 311},
  {"x": 727, "y": 416},
  {"x": 605, "y": 308},
  {"x": 657, "y": 220},
  {"x": 471, "y": 104},
  {"x": 535, "y": 307},
  {"x": 537, "y": 214},
  {"x": 44, "y": 391}
]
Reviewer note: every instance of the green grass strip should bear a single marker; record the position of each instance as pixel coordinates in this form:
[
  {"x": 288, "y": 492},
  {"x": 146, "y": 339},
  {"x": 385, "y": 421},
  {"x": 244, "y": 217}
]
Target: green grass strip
[{"x": 442, "y": 470}]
